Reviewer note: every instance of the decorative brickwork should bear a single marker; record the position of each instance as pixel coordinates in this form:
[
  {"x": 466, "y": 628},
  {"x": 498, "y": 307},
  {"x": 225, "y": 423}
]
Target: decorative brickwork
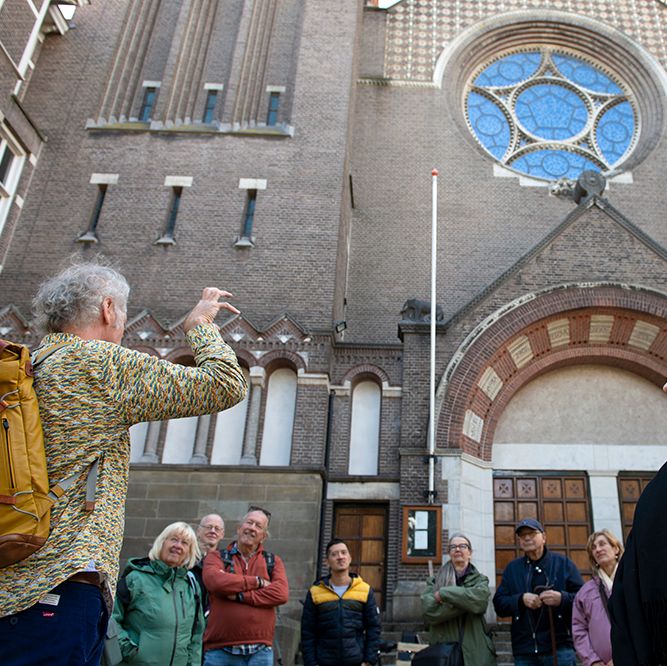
[
  {"x": 417, "y": 30},
  {"x": 576, "y": 325}
]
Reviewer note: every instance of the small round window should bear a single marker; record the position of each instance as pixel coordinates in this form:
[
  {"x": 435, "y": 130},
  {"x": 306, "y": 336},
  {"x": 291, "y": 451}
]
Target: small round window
[{"x": 549, "y": 114}]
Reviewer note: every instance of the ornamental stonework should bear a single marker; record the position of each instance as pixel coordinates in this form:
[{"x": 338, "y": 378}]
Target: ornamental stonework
[{"x": 418, "y": 30}]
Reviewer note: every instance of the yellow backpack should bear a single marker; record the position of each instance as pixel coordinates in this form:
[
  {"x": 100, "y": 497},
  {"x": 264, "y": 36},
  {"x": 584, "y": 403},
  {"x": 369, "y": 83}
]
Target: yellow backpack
[{"x": 25, "y": 497}]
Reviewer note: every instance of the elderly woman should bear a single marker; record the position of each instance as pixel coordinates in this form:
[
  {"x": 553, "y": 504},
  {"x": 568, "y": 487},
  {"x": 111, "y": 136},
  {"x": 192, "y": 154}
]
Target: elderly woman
[
  {"x": 591, "y": 629},
  {"x": 158, "y": 607},
  {"x": 455, "y": 600}
]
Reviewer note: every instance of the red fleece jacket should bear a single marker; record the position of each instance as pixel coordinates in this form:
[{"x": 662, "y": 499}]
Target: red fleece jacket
[{"x": 248, "y": 617}]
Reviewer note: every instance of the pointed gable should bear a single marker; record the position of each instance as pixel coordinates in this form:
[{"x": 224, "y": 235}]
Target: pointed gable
[{"x": 593, "y": 244}]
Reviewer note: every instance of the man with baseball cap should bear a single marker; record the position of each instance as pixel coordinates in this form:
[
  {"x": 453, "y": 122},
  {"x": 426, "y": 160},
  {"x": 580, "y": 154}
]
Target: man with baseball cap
[{"x": 537, "y": 591}]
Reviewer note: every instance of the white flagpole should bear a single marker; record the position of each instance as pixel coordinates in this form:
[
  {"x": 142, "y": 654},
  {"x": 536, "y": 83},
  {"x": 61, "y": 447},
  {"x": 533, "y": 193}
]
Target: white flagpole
[{"x": 431, "y": 428}]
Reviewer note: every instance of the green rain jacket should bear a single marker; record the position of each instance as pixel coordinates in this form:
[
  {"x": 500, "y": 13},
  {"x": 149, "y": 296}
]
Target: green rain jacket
[
  {"x": 467, "y": 601},
  {"x": 159, "y": 616}
]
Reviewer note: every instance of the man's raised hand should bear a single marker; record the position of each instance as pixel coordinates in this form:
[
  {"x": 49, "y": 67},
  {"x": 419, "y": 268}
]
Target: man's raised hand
[{"x": 208, "y": 307}]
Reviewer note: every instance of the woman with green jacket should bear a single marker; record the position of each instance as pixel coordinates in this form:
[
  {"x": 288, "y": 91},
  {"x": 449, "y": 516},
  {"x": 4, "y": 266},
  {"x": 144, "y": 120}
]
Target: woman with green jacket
[
  {"x": 158, "y": 608},
  {"x": 459, "y": 594}
]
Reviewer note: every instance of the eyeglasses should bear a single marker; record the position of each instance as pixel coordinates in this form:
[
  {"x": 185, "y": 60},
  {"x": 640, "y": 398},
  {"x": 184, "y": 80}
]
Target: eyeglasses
[
  {"x": 458, "y": 546},
  {"x": 259, "y": 508},
  {"x": 212, "y": 528}
]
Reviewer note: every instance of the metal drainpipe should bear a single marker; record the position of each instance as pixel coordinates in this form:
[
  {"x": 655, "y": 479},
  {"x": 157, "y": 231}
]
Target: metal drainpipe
[{"x": 327, "y": 449}]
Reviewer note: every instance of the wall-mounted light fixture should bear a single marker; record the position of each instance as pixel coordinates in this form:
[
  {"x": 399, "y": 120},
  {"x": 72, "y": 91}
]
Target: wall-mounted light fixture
[{"x": 340, "y": 325}]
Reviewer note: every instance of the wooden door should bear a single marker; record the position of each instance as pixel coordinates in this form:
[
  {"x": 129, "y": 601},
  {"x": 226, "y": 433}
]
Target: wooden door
[
  {"x": 363, "y": 527},
  {"x": 559, "y": 501},
  {"x": 630, "y": 486}
]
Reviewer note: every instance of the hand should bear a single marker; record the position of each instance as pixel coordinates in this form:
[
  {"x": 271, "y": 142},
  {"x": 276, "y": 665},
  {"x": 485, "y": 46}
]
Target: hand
[
  {"x": 208, "y": 307},
  {"x": 437, "y": 596},
  {"x": 610, "y": 662},
  {"x": 551, "y": 597},
  {"x": 531, "y": 600},
  {"x": 265, "y": 582}
]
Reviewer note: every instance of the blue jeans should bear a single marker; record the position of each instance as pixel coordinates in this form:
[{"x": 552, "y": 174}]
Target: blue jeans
[
  {"x": 263, "y": 657},
  {"x": 565, "y": 658},
  {"x": 69, "y": 634}
]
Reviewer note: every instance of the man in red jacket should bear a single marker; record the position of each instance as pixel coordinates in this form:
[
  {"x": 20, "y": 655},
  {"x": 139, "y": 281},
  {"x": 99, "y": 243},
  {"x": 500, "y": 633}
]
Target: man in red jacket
[{"x": 245, "y": 584}]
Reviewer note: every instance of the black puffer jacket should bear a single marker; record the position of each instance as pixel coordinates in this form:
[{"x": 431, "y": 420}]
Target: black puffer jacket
[{"x": 340, "y": 631}]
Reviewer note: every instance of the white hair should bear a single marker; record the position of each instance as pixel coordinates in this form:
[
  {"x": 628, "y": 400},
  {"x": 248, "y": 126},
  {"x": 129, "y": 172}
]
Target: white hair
[
  {"x": 183, "y": 531},
  {"x": 74, "y": 296}
]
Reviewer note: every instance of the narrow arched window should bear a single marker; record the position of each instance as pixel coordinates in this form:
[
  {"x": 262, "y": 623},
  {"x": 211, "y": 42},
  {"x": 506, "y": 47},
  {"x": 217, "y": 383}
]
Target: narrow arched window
[
  {"x": 365, "y": 428},
  {"x": 229, "y": 431},
  {"x": 279, "y": 418}
]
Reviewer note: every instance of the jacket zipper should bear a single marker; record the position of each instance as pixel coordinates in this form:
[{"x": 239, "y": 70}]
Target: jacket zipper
[
  {"x": 10, "y": 465},
  {"x": 173, "y": 647}
]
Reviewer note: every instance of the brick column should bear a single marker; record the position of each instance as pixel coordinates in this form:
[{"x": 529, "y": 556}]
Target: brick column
[{"x": 257, "y": 377}]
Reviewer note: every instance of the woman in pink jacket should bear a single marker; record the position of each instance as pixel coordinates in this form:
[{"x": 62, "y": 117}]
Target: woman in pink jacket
[{"x": 591, "y": 629}]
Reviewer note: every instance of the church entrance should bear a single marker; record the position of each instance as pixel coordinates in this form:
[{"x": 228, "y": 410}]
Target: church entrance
[
  {"x": 363, "y": 527},
  {"x": 559, "y": 500}
]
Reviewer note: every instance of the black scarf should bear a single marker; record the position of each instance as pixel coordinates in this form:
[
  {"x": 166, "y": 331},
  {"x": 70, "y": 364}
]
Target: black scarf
[{"x": 638, "y": 604}]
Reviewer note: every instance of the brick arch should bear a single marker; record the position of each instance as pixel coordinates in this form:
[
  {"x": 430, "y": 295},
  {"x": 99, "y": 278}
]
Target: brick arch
[
  {"x": 566, "y": 325},
  {"x": 145, "y": 349},
  {"x": 366, "y": 371},
  {"x": 181, "y": 354},
  {"x": 277, "y": 358},
  {"x": 245, "y": 358}
]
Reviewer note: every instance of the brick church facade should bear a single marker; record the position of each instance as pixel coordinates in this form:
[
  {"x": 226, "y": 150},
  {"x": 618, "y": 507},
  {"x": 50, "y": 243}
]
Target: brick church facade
[{"x": 283, "y": 150}]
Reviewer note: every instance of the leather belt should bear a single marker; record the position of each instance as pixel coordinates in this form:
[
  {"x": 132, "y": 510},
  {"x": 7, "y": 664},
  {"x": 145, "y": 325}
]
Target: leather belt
[{"x": 87, "y": 577}]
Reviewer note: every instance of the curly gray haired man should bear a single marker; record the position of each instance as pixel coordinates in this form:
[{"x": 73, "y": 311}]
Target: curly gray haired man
[{"x": 90, "y": 391}]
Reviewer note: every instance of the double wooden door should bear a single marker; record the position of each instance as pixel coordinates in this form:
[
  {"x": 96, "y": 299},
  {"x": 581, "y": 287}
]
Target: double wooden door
[
  {"x": 363, "y": 527},
  {"x": 560, "y": 501},
  {"x": 630, "y": 486}
]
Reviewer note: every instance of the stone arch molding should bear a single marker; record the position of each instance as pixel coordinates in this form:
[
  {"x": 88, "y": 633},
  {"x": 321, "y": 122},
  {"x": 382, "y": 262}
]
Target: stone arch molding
[{"x": 604, "y": 323}]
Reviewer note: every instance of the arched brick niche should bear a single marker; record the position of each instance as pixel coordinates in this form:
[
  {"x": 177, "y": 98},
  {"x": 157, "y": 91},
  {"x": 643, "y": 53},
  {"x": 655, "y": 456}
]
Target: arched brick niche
[
  {"x": 366, "y": 371},
  {"x": 282, "y": 358},
  {"x": 570, "y": 325}
]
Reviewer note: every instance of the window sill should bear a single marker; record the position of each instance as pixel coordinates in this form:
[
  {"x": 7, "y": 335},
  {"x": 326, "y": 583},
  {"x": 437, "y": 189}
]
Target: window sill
[
  {"x": 281, "y": 130},
  {"x": 244, "y": 241},
  {"x": 88, "y": 237},
  {"x": 165, "y": 240}
]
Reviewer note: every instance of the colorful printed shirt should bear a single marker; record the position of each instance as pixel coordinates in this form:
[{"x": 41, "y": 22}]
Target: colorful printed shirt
[{"x": 90, "y": 392}]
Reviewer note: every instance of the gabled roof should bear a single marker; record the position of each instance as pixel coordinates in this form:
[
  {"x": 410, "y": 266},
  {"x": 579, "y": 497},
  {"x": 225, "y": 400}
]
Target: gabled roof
[{"x": 581, "y": 211}]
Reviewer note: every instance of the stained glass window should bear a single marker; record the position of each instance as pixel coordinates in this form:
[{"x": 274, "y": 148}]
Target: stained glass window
[{"x": 550, "y": 114}]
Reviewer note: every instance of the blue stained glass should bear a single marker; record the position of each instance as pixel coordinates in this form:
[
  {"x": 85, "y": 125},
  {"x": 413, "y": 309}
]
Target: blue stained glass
[
  {"x": 558, "y": 106},
  {"x": 553, "y": 164},
  {"x": 489, "y": 123},
  {"x": 614, "y": 131},
  {"x": 551, "y": 111},
  {"x": 509, "y": 70},
  {"x": 585, "y": 75}
]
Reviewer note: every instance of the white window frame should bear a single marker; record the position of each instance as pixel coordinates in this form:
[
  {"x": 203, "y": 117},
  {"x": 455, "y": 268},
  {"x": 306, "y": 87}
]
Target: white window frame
[{"x": 8, "y": 189}]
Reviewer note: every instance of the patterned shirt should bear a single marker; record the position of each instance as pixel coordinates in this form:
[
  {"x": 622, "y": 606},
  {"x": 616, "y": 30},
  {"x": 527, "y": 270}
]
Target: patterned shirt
[{"x": 90, "y": 392}]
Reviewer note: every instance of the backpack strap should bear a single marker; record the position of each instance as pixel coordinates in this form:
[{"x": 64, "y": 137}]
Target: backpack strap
[
  {"x": 228, "y": 561},
  {"x": 38, "y": 357},
  {"x": 62, "y": 486},
  {"x": 270, "y": 562},
  {"x": 57, "y": 491},
  {"x": 194, "y": 584},
  {"x": 122, "y": 590},
  {"x": 604, "y": 598}
]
